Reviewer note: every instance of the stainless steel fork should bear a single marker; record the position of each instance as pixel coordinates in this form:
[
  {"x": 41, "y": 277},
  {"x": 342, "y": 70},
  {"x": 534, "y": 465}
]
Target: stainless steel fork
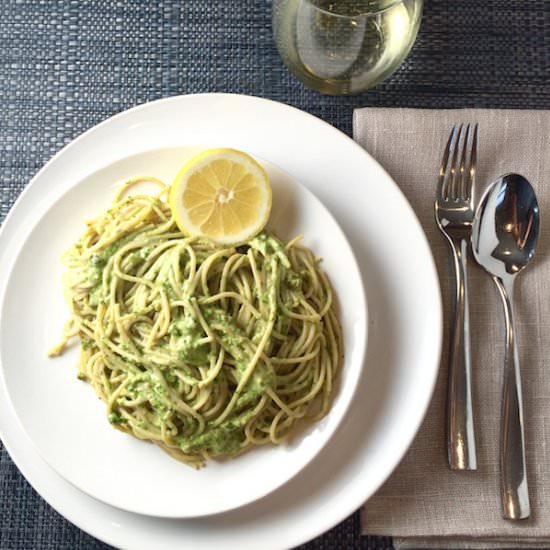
[{"x": 454, "y": 213}]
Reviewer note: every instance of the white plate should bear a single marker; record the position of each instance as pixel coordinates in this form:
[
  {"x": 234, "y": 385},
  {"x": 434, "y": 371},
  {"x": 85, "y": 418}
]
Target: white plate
[
  {"x": 63, "y": 416},
  {"x": 404, "y": 329}
]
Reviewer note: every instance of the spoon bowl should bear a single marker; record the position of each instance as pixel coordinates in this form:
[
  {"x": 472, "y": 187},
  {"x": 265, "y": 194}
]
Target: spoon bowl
[
  {"x": 506, "y": 227},
  {"x": 504, "y": 238}
]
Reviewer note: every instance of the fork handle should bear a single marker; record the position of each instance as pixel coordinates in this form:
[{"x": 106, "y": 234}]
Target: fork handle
[{"x": 461, "y": 445}]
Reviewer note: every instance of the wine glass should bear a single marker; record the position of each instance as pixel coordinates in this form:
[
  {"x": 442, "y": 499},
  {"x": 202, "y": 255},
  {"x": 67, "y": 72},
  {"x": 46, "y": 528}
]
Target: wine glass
[{"x": 345, "y": 46}]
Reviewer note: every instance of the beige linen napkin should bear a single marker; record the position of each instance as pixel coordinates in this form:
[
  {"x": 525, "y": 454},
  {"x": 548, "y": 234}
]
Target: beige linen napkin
[{"x": 424, "y": 504}]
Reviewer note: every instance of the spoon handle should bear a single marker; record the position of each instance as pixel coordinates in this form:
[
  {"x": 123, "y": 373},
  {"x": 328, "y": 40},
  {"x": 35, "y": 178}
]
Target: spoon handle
[
  {"x": 513, "y": 474},
  {"x": 461, "y": 444}
]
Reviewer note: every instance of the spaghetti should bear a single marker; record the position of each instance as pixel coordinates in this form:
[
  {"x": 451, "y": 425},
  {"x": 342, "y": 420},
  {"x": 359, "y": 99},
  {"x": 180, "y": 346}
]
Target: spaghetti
[{"x": 204, "y": 350}]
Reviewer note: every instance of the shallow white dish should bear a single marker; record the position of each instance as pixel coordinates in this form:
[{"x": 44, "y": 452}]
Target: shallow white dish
[
  {"x": 404, "y": 329},
  {"x": 63, "y": 416}
]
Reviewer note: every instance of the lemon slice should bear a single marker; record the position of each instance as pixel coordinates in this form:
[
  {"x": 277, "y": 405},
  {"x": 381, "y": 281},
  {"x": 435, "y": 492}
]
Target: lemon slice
[{"x": 223, "y": 195}]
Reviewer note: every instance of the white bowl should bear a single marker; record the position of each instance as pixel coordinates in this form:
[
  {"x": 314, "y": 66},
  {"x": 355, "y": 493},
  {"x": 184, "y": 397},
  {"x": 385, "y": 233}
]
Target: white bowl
[{"x": 67, "y": 422}]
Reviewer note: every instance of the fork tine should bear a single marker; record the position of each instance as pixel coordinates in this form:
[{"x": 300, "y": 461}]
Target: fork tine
[
  {"x": 442, "y": 184},
  {"x": 453, "y": 191},
  {"x": 463, "y": 177},
  {"x": 469, "y": 194}
]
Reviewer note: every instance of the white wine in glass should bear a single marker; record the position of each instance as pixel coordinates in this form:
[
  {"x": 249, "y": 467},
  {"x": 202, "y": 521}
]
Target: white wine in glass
[{"x": 345, "y": 46}]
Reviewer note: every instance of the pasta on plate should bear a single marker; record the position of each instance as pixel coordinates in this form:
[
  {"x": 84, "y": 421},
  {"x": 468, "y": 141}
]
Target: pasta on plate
[{"x": 205, "y": 350}]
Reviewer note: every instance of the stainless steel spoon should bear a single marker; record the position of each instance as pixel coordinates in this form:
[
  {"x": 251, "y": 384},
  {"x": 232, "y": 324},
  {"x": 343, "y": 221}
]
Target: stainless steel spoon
[{"x": 504, "y": 238}]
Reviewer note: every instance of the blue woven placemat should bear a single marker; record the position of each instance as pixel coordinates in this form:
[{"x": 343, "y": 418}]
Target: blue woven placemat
[{"x": 68, "y": 64}]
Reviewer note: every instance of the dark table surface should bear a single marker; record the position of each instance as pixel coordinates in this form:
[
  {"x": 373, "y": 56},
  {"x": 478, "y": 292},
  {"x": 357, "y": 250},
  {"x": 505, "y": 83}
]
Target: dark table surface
[{"x": 68, "y": 64}]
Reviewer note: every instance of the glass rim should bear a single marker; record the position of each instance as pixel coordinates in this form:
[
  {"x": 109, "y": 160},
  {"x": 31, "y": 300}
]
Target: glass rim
[{"x": 383, "y": 6}]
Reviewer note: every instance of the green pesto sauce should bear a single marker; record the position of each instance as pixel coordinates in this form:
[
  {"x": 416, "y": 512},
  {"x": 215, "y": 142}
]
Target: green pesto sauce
[
  {"x": 219, "y": 440},
  {"x": 270, "y": 246},
  {"x": 184, "y": 338},
  {"x": 116, "y": 418},
  {"x": 186, "y": 333},
  {"x": 96, "y": 266}
]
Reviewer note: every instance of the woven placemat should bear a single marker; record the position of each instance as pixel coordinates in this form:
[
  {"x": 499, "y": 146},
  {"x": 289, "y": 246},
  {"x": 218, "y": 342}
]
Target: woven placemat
[{"x": 68, "y": 64}]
